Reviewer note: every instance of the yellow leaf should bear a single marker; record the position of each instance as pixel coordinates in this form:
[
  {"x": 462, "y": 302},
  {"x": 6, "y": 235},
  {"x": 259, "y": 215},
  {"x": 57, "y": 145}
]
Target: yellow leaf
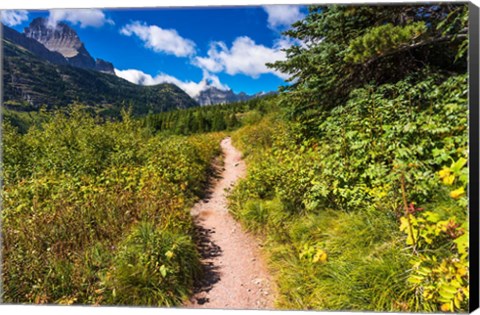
[
  {"x": 457, "y": 166},
  {"x": 404, "y": 224},
  {"x": 320, "y": 256},
  {"x": 445, "y": 307},
  {"x": 416, "y": 280},
  {"x": 163, "y": 271},
  {"x": 457, "y": 193},
  {"x": 432, "y": 216},
  {"x": 456, "y": 302},
  {"x": 462, "y": 271}
]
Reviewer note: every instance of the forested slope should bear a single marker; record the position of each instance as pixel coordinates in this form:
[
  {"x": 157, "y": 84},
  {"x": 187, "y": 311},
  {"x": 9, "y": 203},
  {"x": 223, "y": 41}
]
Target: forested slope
[{"x": 30, "y": 82}]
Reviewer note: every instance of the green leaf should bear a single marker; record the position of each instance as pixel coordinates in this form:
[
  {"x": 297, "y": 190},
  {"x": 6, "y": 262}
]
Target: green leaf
[
  {"x": 462, "y": 244},
  {"x": 163, "y": 271},
  {"x": 447, "y": 291},
  {"x": 432, "y": 216},
  {"x": 457, "y": 166}
]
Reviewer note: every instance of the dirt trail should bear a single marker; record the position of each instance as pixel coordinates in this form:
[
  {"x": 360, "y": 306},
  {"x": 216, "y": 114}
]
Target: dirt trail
[{"x": 236, "y": 276}]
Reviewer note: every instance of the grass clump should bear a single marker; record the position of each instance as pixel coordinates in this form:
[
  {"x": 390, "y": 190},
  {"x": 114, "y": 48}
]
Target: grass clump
[{"x": 153, "y": 267}]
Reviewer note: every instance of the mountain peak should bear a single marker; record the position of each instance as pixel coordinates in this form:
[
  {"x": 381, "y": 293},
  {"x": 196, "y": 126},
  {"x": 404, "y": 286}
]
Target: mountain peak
[
  {"x": 212, "y": 95},
  {"x": 60, "y": 37},
  {"x": 64, "y": 40}
]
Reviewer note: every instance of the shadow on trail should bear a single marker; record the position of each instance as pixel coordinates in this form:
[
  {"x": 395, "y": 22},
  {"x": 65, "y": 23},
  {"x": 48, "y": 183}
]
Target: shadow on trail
[
  {"x": 214, "y": 175},
  {"x": 203, "y": 238},
  {"x": 229, "y": 280},
  {"x": 207, "y": 250}
]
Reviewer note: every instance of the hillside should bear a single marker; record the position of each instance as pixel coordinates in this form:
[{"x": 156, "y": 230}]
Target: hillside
[
  {"x": 33, "y": 46},
  {"x": 30, "y": 82}
]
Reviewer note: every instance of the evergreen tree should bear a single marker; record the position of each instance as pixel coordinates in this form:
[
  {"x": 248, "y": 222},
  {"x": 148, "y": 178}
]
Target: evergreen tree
[{"x": 345, "y": 47}]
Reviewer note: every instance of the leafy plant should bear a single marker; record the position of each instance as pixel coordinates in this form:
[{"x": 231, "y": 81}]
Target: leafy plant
[{"x": 440, "y": 270}]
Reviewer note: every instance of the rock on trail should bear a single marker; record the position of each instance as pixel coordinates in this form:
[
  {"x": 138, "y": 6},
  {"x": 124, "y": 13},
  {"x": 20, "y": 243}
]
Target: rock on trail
[{"x": 236, "y": 276}]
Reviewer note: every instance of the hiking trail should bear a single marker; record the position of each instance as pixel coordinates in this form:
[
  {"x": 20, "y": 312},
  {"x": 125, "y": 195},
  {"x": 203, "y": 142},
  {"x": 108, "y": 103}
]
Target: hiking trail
[{"x": 236, "y": 275}]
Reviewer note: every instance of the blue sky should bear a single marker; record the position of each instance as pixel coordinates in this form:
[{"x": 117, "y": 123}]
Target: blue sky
[{"x": 227, "y": 46}]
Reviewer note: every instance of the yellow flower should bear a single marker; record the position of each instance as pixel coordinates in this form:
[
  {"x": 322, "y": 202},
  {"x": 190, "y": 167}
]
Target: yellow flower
[
  {"x": 448, "y": 180},
  {"x": 446, "y": 176},
  {"x": 444, "y": 172},
  {"x": 457, "y": 193},
  {"x": 320, "y": 256}
]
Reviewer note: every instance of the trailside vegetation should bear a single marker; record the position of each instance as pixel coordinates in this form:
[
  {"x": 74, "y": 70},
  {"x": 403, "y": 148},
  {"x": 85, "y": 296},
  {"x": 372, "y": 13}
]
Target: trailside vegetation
[
  {"x": 98, "y": 212},
  {"x": 360, "y": 193},
  {"x": 345, "y": 47}
]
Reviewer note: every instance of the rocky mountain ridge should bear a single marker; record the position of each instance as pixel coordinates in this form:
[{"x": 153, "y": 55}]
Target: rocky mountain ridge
[
  {"x": 212, "y": 95},
  {"x": 33, "y": 46},
  {"x": 60, "y": 38},
  {"x": 61, "y": 45},
  {"x": 58, "y": 44}
]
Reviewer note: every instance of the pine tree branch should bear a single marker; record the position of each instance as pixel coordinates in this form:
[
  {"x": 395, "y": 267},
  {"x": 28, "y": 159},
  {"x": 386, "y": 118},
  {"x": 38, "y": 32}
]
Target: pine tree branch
[{"x": 419, "y": 44}]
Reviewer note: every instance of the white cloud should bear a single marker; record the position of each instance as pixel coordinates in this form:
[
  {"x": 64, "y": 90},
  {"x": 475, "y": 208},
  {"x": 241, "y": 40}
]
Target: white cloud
[
  {"x": 83, "y": 17},
  {"x": 244, "y": 57},
  {"x": 13, "y": 17},
  {"x": 190, "y": 87},
  {"x": 282, "y": 15},
  {"x": 285, "y": 42},
  {"x": 209, "y": 63},
  {"x": 159, "y": 39}
]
